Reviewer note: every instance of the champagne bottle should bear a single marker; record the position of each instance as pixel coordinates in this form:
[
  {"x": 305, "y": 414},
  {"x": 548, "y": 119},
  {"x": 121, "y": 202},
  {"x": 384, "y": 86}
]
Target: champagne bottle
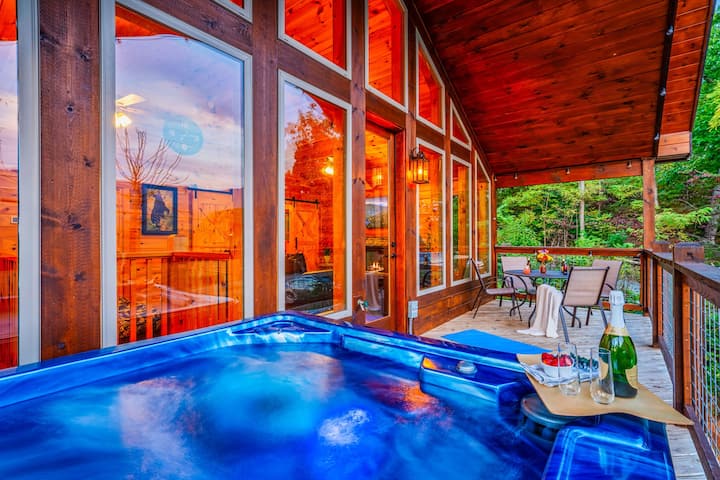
[{"x": 622, "y": 350}]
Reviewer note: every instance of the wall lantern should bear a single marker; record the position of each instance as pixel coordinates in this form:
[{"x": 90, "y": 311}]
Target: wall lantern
[{"x": 419, "y": 166}]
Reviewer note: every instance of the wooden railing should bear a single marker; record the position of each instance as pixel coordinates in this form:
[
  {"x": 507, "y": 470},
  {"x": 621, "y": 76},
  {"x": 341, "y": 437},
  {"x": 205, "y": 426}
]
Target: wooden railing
[
  {"x": 170, "y": 293},
  {"x": 8, "y": 312},
  {"x": 631, "y": 278},
  {"x": 684, "y": 305}
]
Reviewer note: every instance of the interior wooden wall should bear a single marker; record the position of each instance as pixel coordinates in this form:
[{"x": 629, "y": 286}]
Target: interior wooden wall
[{"x": 71, "y": 141}]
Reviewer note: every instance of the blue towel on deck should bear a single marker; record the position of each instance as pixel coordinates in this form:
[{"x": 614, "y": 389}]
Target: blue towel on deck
[{"x": 476, "y": 338}]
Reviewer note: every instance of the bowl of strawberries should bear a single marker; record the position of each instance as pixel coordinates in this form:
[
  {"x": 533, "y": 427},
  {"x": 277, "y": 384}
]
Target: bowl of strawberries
[{"x": 555, "y": 365}]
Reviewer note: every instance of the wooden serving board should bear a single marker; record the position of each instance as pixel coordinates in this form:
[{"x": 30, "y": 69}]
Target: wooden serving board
[{"x": 645, "y": 405}]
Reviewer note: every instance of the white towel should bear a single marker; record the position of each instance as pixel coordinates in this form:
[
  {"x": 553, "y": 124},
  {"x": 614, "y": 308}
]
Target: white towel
[{"x": 547, "y": 312}]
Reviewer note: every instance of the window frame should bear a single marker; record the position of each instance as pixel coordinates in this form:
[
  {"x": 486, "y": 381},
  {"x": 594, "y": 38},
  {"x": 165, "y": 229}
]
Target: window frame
[
  {"x": 420, "y": 45},
  {"x": 420, "y": 292},
  {"x": 245, "y": 12},
  {"x": 471, "y": 244},
  {"x": 480, "y": 167},
  {"x": 29, "y": 249},
  {"x": 109, "y": 335},
  {"x": 453, "y": 115},
  {"x": 402, "y": 106},
  {"x": 283, "y": 36},
  {"x": 284, "y": 77}
]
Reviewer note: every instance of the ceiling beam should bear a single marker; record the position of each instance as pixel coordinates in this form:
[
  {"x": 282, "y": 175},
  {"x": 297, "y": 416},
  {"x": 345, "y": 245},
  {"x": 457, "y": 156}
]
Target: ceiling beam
[{"x": 595, "y": 171}]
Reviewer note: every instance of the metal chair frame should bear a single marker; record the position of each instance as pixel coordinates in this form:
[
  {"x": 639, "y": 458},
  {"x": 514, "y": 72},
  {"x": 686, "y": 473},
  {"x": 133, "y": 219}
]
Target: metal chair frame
[{"x": 487, "y": 289}]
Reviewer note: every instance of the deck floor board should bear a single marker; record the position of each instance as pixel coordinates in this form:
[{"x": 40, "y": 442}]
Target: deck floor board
[{"x": 652, "y": 371}]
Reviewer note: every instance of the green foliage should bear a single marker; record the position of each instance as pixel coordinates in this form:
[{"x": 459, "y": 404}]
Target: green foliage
[
  {"x": 676, "y": 226},
  {"x": 549, "y": 214}
]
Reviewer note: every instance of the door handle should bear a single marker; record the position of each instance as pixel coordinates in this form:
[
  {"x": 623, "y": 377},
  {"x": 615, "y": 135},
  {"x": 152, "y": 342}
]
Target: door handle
[{"x": 392, "y": 255}]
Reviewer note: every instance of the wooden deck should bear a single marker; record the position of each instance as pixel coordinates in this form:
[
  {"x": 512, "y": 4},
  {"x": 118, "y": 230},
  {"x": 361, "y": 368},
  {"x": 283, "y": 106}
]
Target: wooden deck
[{"x": 651, "y": 368}]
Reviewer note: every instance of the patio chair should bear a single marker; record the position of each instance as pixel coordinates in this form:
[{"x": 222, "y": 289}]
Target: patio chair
[
  {"x": 523, "y": 285},
  {"x": 610, "y": 280},
  {"x": 489, "y": 287},
  {"x": 582, "y": 290}
]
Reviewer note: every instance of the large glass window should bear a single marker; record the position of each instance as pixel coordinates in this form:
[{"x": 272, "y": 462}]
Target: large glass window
[
  {"x": 179, "y": 172},
  {"x": 320, "y": 26},
  {"x": 312, "y": 162},
  {"x": 8, "y": 185},
  {"x": 386, "y": 48},
  {"x": 458, "y": 132},
  {"x": 461, "y": 212},
  {"x": 482, "y": 215},
  {"x": 431, "y": 222},
  {"x": 430, "y": 91}
]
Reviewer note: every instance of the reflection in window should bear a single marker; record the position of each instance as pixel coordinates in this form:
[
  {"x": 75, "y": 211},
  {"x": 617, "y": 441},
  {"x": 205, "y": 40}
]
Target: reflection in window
[
  {"x": 386, "y": 34},
  {"x": 378, "y": 151},
  {"x": 458, "y": 129},
  {"x": 179, "y": 169},
  {"x": 482, "y": 212},
  {"x": 431, "y": 224},
  {"x": 320, "y": 26},
  {"x": 8, "y": 185},
  {"x": 461, "y": 220},
  {"x": 430, "y": 90},
  {"x": 242, "y": 7},
  {"x": 313, "y": 163}
]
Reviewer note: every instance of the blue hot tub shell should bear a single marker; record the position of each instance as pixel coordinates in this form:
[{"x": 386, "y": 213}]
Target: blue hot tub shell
[{"x": 609, "y": 446}]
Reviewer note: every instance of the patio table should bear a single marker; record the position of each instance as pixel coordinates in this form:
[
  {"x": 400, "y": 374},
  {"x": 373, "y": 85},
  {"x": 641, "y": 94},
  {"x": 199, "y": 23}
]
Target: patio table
[{"x": 534, "y": 275}]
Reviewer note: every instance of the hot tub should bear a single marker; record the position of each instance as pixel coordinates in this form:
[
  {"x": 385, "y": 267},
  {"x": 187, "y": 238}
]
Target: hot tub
[{"x": 293, "y": 396}]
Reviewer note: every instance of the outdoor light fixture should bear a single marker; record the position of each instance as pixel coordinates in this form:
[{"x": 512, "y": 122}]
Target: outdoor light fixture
[
  {"x": 329, "y": 169},
  {"x": 629, "y": 164},
  {"x": 567, "y": 171},
  {"x": 515, "y": 176},
  {"x": 419, "y": 166},
  {"x": 376, "y": 177}
]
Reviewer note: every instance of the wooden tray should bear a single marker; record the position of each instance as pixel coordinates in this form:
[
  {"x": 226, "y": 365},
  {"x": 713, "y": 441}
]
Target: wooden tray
[{"x": 645, "y": 405}]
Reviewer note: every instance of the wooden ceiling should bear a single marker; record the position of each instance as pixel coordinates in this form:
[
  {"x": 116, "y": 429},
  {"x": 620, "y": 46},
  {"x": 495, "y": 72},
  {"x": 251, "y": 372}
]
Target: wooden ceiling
[{"x": 572, "y": 89}]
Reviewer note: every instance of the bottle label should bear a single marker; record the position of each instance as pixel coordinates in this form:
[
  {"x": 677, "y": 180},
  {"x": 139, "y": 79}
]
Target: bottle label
[
  {"x": 632, "y": 376},
  {"x": 617, "y": 331}
]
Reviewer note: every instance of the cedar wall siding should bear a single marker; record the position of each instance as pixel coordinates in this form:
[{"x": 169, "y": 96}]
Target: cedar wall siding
[{"x": 70, "y": 87}]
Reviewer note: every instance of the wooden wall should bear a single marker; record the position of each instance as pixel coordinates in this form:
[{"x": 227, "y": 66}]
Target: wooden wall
[{"x": 70, "y": 162}]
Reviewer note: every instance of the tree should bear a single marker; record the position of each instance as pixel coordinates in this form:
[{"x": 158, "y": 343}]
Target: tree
[
  {"x": 138, "y": 167},
  {"x": 690, "y": 209}
]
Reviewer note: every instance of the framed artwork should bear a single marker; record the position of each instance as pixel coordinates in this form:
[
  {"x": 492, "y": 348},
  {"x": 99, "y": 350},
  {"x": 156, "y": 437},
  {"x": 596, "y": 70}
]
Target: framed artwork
[{"x": 159, "y": 210}]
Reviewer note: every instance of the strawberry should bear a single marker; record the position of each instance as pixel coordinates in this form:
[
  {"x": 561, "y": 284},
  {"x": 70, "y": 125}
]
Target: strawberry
[
  {"x": 549, "y": 359},
  {"x": 566, "y": 361}
]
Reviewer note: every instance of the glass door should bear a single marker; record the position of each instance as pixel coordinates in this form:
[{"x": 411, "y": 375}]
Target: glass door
[{"x": 379, "y": 225}]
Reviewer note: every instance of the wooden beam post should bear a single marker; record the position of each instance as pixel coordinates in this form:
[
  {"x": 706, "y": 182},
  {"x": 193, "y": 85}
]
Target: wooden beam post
[
  {"x": 649, "y": 200},
  {"x": 265, "y": 154},
  {"x": 70, "y": 181},
  {"x": 682, "y": 389}
]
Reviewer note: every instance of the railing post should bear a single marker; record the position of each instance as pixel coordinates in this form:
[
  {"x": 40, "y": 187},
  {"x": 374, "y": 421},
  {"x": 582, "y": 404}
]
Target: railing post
[
  {"x": 655, "y": 296},
  {"x": 683, "y": 252}
]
